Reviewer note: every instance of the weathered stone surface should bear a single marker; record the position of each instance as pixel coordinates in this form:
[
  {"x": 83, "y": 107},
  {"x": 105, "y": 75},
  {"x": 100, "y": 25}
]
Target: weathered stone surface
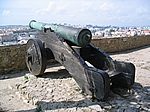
[
  {"x": 121, "y": 44},
  {"x": 59, "y": 92},
  {"x": 12, "y": 58}
]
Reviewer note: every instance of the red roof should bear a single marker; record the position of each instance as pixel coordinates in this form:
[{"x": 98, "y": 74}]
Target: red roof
[{"x": 146, "y": 31}]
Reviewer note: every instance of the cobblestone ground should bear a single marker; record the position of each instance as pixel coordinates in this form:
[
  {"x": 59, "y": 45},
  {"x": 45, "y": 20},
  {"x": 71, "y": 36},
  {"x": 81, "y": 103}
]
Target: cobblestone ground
[{"x": 57, "y": 91}]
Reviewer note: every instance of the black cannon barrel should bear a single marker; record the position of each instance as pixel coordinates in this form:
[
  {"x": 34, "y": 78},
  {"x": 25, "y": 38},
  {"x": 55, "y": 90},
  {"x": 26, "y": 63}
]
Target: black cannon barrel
[{"x": 79, "y": 36}]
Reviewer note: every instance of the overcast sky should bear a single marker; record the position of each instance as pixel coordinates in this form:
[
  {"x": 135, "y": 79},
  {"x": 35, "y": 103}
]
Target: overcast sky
[{"x": 75, "y": 12}]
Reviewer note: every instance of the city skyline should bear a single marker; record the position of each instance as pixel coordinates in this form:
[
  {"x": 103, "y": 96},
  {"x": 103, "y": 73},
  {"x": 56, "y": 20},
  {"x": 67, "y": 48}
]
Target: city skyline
[{"x": 103, "y": 13}]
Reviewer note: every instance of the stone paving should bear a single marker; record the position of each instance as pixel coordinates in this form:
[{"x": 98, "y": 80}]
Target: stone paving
[{"x": 57, "y": 91}]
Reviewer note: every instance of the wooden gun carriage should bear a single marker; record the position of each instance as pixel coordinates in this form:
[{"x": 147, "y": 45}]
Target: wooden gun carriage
[{"x": 93, "y": 69}]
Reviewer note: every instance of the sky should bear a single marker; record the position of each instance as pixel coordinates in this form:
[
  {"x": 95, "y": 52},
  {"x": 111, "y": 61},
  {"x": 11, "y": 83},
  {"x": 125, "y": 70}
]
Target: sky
[{"x": 76, "y": 12}]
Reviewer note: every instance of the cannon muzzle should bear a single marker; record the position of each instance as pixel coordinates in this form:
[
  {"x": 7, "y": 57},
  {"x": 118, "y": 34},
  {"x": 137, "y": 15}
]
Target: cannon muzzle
[{"x": 79, "y": 36}]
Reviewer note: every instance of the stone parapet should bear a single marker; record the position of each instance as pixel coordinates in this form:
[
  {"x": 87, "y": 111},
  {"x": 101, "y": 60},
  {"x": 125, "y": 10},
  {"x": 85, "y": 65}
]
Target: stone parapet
[
  {"x": 121, "y": 43},
  {"x": 12, "y": 58}
]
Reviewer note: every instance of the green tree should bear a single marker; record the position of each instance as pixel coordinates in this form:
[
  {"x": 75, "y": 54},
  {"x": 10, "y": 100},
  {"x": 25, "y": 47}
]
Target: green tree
[{"x": 111, "y": 30}]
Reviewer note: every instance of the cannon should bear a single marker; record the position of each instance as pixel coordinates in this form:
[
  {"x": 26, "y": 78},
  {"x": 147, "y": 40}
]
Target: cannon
[{"x": 92, "y": 68}]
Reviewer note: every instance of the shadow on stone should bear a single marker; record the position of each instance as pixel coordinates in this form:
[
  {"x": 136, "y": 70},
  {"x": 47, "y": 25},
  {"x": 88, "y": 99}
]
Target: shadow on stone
[
  {"x": 8, "y": 76},
  {"x": 60, "y": 74},
  {"x": 126, "y": 92},
  {"x": 71, "y": 106}
]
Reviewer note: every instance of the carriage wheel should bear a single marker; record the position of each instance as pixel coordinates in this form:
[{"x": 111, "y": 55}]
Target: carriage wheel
[{"x": 36, "y": 58}]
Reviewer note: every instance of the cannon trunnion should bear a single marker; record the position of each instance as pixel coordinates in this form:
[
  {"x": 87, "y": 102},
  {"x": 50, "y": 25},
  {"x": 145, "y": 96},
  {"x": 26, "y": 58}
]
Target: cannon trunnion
[{"x": 93, "y": 69}]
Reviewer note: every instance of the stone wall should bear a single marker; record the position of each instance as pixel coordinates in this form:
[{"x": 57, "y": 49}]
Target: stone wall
[
  {"x": 121, "y": 43},
  {"x": 12, "y": 58}
]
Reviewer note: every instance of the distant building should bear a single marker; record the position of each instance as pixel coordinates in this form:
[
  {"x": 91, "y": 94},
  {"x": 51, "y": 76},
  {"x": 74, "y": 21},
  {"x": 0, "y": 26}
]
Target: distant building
[
  {"x": 133, "y": 33},
  {"x": 146, "y": 32},
  {"x": 6, "y": 38},
  {"x": 25, "y": 34}
]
